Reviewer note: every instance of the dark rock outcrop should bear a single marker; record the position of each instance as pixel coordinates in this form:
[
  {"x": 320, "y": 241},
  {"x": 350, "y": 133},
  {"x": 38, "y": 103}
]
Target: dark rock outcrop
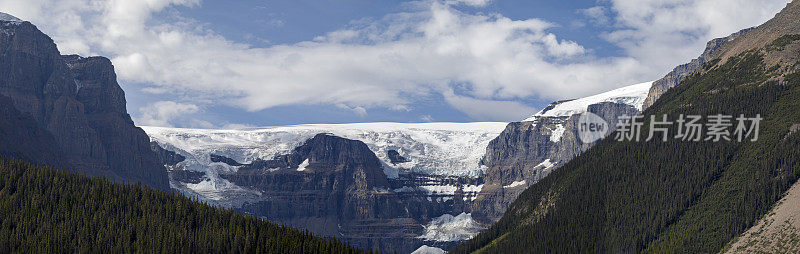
[
  {"x": 78, "y": 102},
  {"x": 23, "y": 138},
  {"x": 395, "y": 157},
  {"x": 334, "y": 187},
  {"x": 167, "y": 157},
  {"x": 223, "y": 159}
]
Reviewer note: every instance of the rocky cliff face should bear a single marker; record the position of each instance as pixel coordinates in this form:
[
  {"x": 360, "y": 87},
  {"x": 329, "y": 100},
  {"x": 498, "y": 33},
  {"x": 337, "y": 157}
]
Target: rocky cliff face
[
  {"x": 335, "y": 187},
  {"x": 78, "y": 102},
  {"x": 376, "y": 186},
  {"x": 22, "y": 137},
  {"x": 679, "y": 73},
  {"x": 528, "y": 151}
]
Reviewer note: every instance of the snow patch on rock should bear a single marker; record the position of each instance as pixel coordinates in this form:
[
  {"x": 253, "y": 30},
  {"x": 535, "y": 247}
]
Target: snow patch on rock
[
  {"x": 302, "y": 166},
  {"x": 515, "y": 184},
  {"x": 556, "y": 135},
  {"x": 546, "y": 164},
  {"x": 449, "y": 228}
]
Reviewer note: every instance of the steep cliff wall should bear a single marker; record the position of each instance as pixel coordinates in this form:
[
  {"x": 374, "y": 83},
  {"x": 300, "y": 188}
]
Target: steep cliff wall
[{"x": 78, "y": 104}]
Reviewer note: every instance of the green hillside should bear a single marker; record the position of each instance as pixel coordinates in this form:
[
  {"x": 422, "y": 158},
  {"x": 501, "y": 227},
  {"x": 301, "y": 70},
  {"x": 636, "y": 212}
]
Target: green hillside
[
  {"x": 675, "y": 196},
  {"x": 47, "y": 211}
]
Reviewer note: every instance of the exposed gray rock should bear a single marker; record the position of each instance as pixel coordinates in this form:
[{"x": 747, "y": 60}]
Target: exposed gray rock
[
  {"x": 23, "y": 138},
  {"x": 525, "y": 153},
  {"x": 334, "y": 187},
  {"x": 677, "y": 75},
  {"x": 226, "y": 160},
  {"x": 79, "y": 103}
]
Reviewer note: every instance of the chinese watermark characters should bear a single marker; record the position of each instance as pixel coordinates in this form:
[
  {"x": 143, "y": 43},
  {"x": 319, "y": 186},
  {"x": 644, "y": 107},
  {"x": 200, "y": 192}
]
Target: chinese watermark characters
[{"x": 716, "y": 128}]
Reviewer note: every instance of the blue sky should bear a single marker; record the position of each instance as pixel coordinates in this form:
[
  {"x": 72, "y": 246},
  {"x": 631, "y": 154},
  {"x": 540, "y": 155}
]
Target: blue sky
[{"x": 224, "y": 64}]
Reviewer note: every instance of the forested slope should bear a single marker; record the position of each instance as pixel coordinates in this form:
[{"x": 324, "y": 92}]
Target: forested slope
[
  {"x": 43, "y": 210},
  {"x": 675, "y": 196}
]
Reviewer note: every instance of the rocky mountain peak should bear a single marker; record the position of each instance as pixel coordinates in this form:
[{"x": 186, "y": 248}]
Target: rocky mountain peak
[{"x": 327, "y": 149}]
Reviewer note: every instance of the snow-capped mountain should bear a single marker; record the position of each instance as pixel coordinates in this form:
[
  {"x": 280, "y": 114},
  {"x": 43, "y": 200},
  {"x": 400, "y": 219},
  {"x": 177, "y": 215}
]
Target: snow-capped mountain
[
  {"x": 529, "y": 150},
  {"x": 633, "y": 95},
  {"x": 434, "y": 168}
]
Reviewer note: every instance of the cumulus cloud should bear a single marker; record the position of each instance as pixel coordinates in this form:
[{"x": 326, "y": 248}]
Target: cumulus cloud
[
  {"x": 669, "y": 32},
  {"x": 165, "y": 113},
  {"x": 358, "y": 110},
  {"x": 488, "y": 110},
  {"x": 597, "y": 14},
  {"x": 474, "y": 3},
  {"x": 394, "y": 60}
]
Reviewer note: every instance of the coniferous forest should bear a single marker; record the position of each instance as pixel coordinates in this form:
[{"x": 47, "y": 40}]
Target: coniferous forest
[{"x": 43, "y": 210}]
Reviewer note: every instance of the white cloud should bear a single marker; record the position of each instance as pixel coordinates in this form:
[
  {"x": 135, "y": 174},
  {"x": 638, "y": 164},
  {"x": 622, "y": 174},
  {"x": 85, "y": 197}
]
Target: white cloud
[
  {"x": 598, "y": 14},
  {"x": 474, "y": 3},
  {"x": 164, "y": 113},
  {"x": 488, "y": 110},
  {"x": 392, "y": 61},
  {"x": 358, "y": 110},
  {"x": 669, "y": 32}
]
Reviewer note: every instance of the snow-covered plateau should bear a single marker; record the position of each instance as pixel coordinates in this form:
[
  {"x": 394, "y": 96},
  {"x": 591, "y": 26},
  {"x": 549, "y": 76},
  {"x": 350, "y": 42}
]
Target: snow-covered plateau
[{"x": 633, "y": 95}]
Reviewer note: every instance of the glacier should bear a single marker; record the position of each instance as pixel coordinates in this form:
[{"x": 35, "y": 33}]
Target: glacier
[
  {"x": 633, "y": 95},
  {"x": 433, "y": 149}
]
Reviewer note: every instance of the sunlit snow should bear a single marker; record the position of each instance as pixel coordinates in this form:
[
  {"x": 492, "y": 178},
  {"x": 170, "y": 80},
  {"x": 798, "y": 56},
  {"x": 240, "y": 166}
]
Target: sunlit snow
[
  {"x": 515, "y": 184},
  {"x": 302, "y": 166},
  {"x": 449, "y": 228},
  {"x": 634, "y": 95},
  {"x": 425, "y": 249},
  {"x": 557, "y": 133}
]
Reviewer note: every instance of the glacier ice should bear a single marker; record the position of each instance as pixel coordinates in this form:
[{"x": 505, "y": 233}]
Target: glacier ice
[{"x": 634, "y": 95}]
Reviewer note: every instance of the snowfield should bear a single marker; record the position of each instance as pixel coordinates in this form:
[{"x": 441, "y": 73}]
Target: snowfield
[
  {"x": 634, "y": 95},
  {"x": 452, "y": 149}
]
